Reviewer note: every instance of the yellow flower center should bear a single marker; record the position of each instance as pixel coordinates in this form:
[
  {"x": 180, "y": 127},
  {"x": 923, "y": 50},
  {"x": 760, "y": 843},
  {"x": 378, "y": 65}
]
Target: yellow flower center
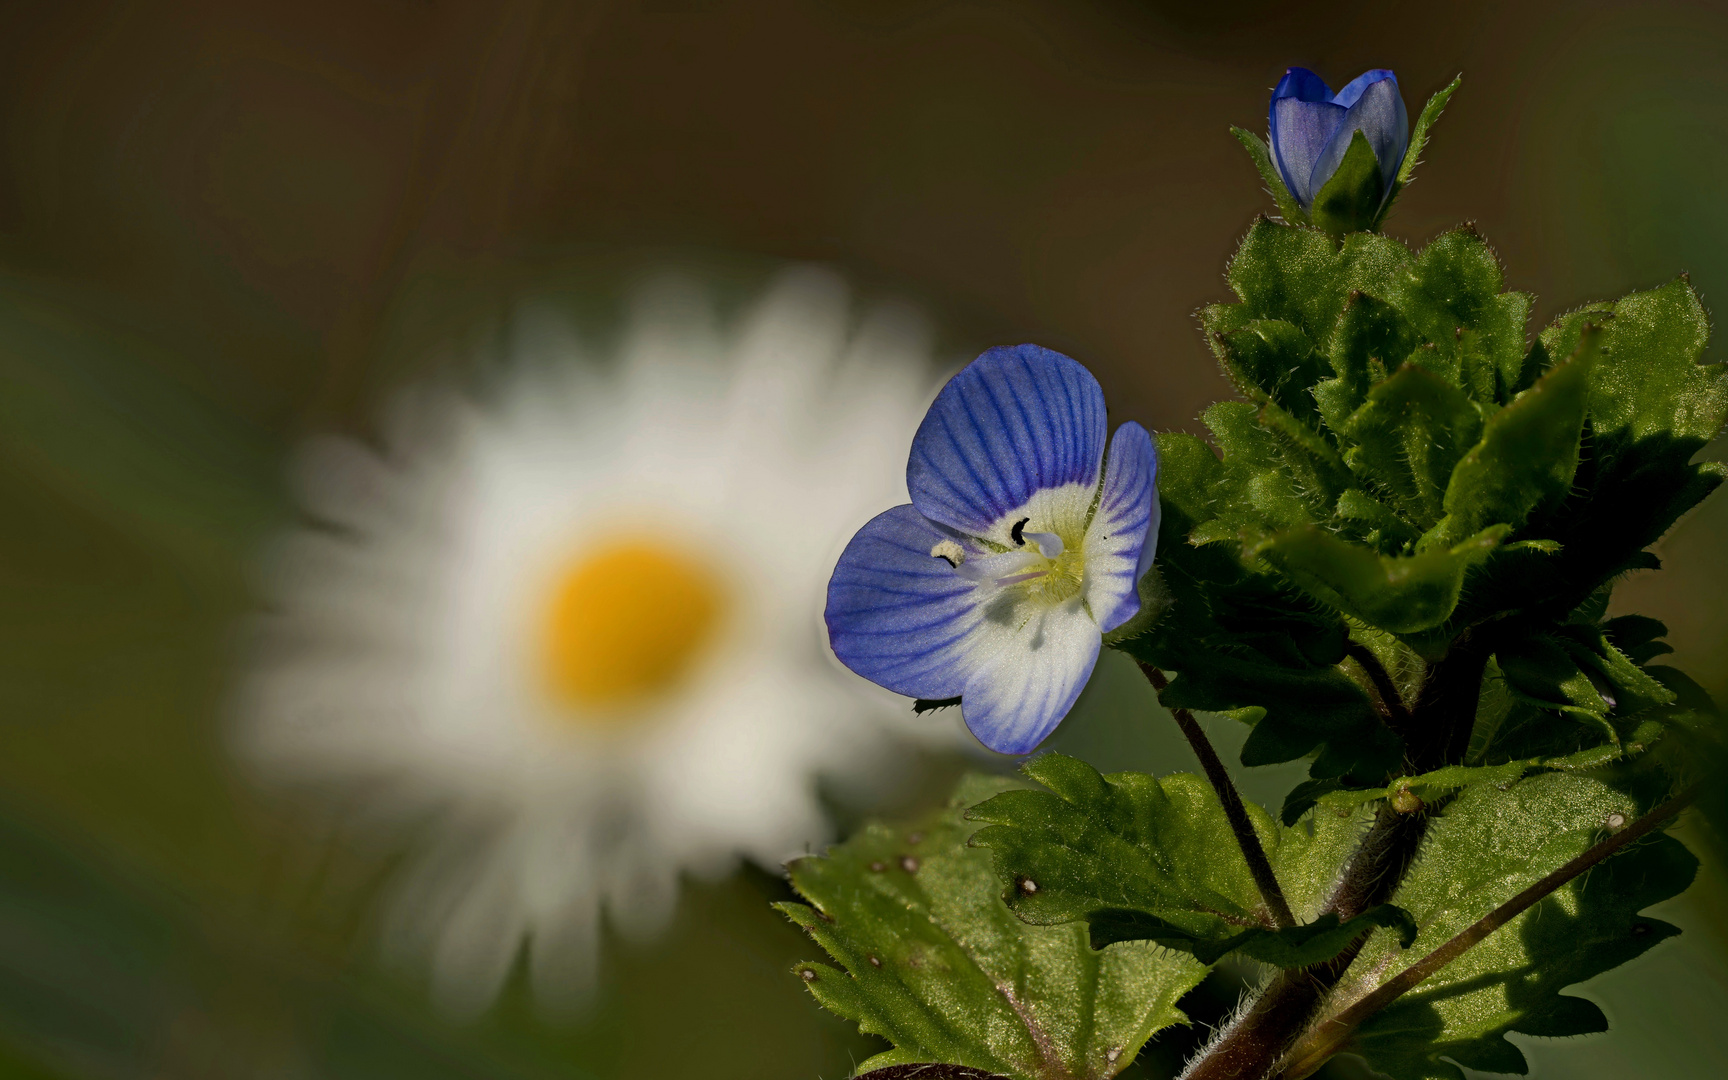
[
  {"x": 626, "y": 624},
  {"x": 1060, "y": 578}
]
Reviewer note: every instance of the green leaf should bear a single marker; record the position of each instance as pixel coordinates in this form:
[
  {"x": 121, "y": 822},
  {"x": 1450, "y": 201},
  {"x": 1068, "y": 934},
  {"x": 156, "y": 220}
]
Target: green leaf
[
  {"x": 1482, "y": 850},
  {"x": 1309, "y": 459},
  {"x": 1273, "y": 360},
  {"x": 1154, "y": 859},
  {"x": 1288, "y": 272},
  {"x": 923, "y": 1071},
  {"x": 1409, "y": 436},
  {"x": 1424, "y": 123},
  {"x": 1403, "y": 594},
  {"x": 1297, "y": 946},
  {"x": 1370, "y": 338},
  {"x": 1649, "y": 382},
  {"x": 1452, "y": 297},
  {"x": 1350, "y": 201},
  {"x": 1414, "y": 792},
  {"x": 1262, "y": 158},
  {"x": 1302, "y": 276},
  {"x": 1256, "y": 490},
  {"x": 938, "y": 966},
  {"x": 1631, "y": 688},
  {"x": 1528, "y": 454},
  {"x": 1651, "y": 407},
  {"x": 1541, "y": 670}
]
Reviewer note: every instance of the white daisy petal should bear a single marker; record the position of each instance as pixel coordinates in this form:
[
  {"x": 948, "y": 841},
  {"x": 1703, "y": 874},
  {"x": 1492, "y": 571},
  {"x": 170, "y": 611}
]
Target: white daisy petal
[{"x": 573, "y": 620}]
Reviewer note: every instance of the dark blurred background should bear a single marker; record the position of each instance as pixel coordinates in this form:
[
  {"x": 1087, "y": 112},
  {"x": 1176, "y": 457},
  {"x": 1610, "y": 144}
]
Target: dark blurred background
[{"x": 224, "y": 226}]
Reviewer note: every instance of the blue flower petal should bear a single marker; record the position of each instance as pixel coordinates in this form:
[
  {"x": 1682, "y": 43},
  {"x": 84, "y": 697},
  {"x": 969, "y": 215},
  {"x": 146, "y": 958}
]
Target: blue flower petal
[
  {"x": 1026, "y": 678},
  {"x": 1301, "y": 131},
  {"x": 1379, "y": 114},
  {"x": 1123, "y": 535},
  {"x": 1303, "y": 85},
  {"x": 1353, "y": 89},
  {"x": 896, "y": 613},
  {"x": 1014, "y": 421}
]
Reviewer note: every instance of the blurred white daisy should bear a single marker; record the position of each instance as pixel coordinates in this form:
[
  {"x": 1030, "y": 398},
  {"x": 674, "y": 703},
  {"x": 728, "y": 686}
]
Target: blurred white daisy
[{"x": 576, "y": 620}]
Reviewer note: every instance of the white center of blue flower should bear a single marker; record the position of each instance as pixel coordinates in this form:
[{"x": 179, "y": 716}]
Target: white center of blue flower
[{"x": 1043, "y": 558}]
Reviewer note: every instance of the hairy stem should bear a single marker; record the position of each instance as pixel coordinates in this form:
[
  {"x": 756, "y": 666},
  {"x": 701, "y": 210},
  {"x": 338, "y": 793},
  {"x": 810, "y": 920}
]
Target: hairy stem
[
  {"x": 1391, "y": 702},
  {"x": 1439, "y": 733},
  {"x": 1234, "y": 811},
  {"x": 1329, "y": 1037}
]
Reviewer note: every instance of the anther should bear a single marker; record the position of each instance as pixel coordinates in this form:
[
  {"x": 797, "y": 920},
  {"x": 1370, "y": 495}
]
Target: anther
[{"x": 948, "y": 550}]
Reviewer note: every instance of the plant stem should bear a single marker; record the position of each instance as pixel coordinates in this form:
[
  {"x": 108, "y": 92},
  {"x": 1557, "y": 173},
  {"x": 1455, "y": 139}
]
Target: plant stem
[
  {"x": 1439, "y": 732},
  {"x": 1234, "y": 811},
  {"x": 1330, "y": 1036},
  {"x": 1248, "y": 1048},
  {"x": 1391, "y": 702}
]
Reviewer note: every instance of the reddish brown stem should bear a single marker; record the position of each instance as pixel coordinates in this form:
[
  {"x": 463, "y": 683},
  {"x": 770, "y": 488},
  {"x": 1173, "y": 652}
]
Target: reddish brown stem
[{"x": 1234, "y": 810}]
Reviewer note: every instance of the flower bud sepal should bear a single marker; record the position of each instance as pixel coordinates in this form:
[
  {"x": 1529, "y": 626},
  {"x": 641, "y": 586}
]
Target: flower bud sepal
[{"x": 1355, "y": 198}]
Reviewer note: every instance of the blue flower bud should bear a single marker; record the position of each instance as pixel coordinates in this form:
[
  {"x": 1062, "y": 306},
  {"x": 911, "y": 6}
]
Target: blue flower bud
[{"x": 1311, "y": 128}]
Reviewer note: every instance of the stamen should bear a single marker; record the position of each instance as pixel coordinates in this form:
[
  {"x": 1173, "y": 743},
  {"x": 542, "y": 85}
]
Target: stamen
[
  {"x": 993, "y": 567},
  {"x": 949, "y": 550}
]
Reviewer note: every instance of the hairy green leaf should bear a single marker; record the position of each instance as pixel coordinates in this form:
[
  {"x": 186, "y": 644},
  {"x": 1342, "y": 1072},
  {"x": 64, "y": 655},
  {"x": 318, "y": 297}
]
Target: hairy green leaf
[
  {"x": 1482, "y": 850},
  {"x": 1288, "y": 272},
  {"x": 1377, "y": 525},
  {"x": 1403, "y": 594},
  {"x": 1262, "y": 158},
  {"x": 1257, "y": 489},
  {"x": 1650, "y": 382},
  {"x": 1651, "y": 407},
  {"x": 1424, "y": 123},
  {"x": 1451, "y": 295},
  {"x": 934, "y": 962},
  {"x": 1150, "y": 858},
  {"x": 1273, "y": 360},
  {"x": 1409, "y": 435},
  {"x": 1528, "y": 454},
  {"x": 1370, "y": 339}
]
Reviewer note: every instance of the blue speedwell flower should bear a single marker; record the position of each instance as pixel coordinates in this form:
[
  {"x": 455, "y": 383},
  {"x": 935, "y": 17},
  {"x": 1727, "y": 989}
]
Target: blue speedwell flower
[
  {"x": 1020, "y": 549},
  {"x": 1311, "y": 127}
]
